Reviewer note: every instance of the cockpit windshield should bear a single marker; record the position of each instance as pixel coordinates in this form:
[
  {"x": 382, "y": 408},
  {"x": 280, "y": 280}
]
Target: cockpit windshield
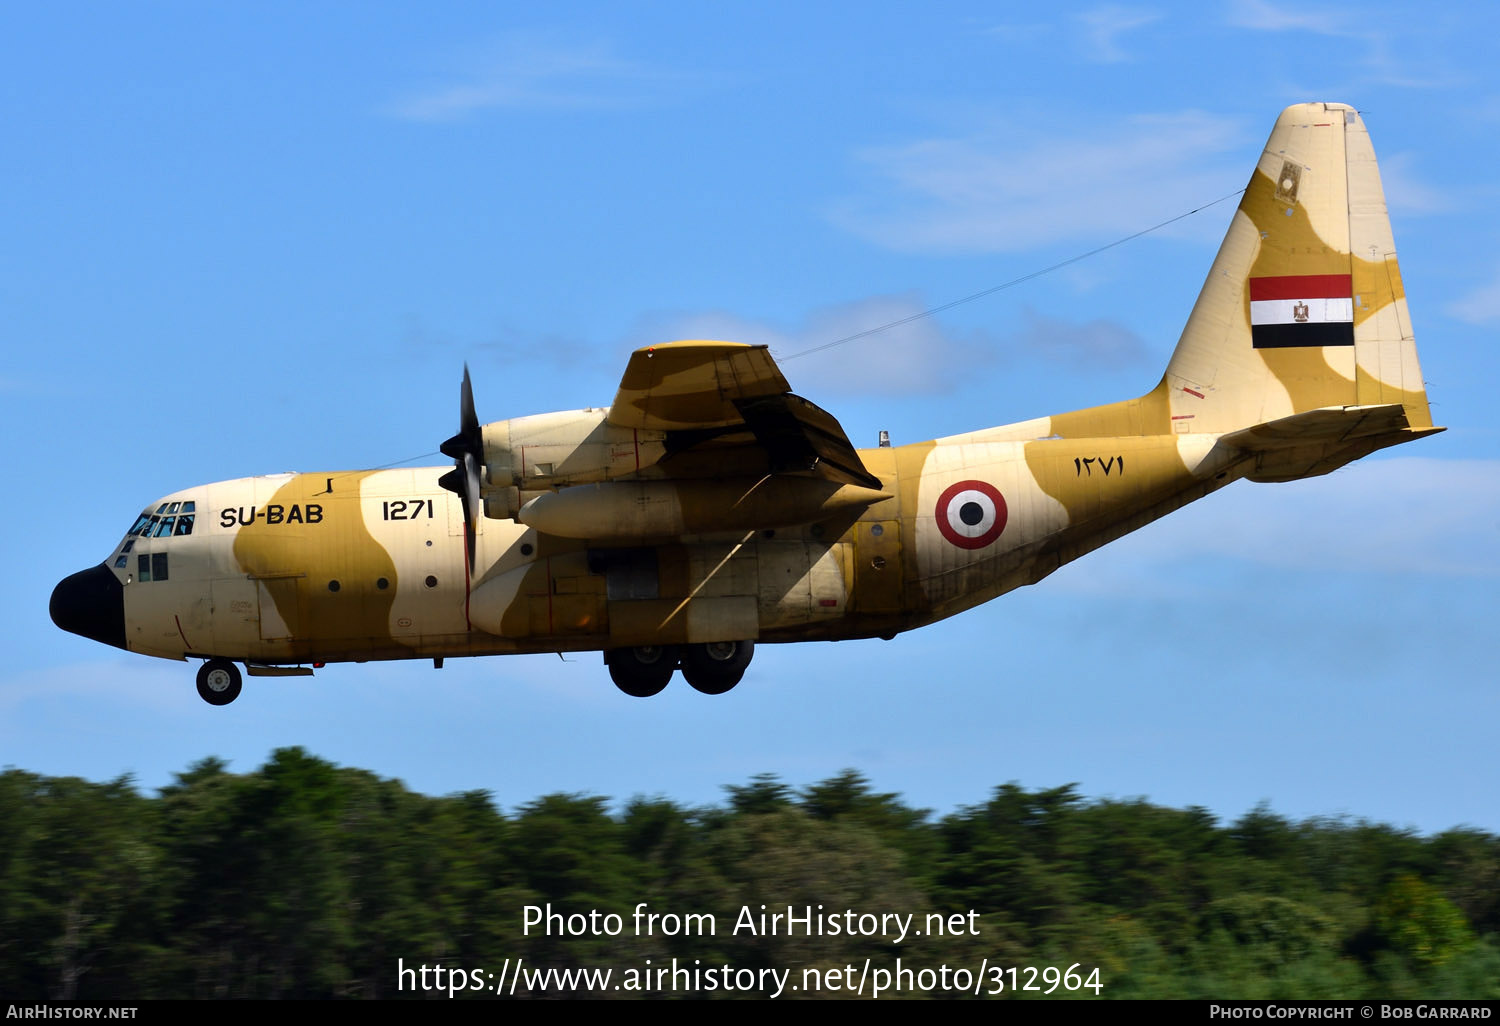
[
  {"x": 171, "y": 519},
  {"x": 168, "y": 520}
]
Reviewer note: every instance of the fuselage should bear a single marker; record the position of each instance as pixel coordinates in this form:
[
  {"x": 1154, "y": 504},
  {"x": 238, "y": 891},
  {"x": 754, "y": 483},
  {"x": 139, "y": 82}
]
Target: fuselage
[{"x": 326, "y": 567}]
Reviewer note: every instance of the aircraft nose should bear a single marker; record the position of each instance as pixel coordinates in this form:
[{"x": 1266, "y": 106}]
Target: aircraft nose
[{"x": 91, "y": 603}]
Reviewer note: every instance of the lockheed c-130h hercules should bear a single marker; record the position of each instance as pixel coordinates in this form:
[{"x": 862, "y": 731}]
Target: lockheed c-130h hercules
[{"x": 709, "y": 508}]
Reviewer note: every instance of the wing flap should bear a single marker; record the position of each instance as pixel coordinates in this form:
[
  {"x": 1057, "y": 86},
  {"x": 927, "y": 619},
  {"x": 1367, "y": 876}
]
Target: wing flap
[
  {"x": 727, "y": 408},
  {"x": 801, "y": 437}
]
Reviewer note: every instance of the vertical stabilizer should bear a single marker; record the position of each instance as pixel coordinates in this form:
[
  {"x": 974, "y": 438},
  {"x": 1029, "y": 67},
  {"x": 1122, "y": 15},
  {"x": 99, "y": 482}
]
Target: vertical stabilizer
[{"x": 1304, "y": 308}]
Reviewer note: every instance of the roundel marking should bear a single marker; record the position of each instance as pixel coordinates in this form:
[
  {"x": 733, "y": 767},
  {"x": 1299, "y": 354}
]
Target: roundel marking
[{"x": 971, "y": 514}]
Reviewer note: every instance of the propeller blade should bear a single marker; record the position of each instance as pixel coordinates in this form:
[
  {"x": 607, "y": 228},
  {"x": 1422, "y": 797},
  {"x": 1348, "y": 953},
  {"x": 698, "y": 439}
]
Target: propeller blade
[
  {"x": 472, "y": 500},
  {"x": 470, "y": 437},
  {"x": 466, "y": 449},
  {"x": 467, "y": 420}
]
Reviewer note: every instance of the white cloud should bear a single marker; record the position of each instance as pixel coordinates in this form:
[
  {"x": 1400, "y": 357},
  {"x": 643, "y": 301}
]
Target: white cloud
[
  {"x": 1019, "y": 34},
  {"x": 1099, "y": 344},
  {"x": 998, "y": 191},
  {"x": 1398, "y": 515},
  {"x": 1409, "y": 514},
  {"x": 1257, "y": 14},
  {"x": 921, "y": 356},
  {"x": 129, "y": 682},
  {"x": 917, "y": 357},
  {"x": 1485, "y": 109},
  {"x": 1402, "y": 65},
  {"x": 1404, "y": 193},
  {"x": 531, "y": 73},
  {"x": 1103, "y": 27},
  {"x": 1481, "y": 306}
]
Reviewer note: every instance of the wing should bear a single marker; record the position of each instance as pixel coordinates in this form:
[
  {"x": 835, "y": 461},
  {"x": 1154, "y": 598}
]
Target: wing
[{"x": 727, "y": 408}]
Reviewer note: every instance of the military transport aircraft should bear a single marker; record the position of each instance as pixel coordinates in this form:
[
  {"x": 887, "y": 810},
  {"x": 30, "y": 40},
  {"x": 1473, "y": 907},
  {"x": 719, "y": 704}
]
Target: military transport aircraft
[{"x": 710, "y": 508}]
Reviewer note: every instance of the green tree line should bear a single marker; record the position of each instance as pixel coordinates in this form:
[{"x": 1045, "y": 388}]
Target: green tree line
[{"x": 308, "y": 880}]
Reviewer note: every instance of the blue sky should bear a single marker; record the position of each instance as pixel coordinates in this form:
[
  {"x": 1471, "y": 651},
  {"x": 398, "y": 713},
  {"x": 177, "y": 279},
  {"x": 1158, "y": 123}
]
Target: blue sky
[{"x": 245, "y": 239}]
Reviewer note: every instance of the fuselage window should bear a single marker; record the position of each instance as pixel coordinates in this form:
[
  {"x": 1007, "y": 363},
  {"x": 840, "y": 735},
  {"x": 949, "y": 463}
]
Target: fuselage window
[
  {"x": 159, "y": 566},
  {"x": 120, "y": 563},
  {"x": 129, "y": 544}
]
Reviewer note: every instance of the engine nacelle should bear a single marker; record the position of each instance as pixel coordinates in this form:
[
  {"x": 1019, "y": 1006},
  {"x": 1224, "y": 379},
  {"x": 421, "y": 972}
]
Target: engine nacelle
[
  {"x": 627, "y": 512},
  {"x": 555, "y": 450}
]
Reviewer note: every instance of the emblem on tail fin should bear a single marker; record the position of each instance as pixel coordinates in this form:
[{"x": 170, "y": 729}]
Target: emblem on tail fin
[{"x": 1301, "y": 310}]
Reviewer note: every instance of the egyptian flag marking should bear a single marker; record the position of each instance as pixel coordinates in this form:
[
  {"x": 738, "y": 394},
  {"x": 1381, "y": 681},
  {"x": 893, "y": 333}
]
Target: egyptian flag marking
[{"x": 1301, "y": 310}]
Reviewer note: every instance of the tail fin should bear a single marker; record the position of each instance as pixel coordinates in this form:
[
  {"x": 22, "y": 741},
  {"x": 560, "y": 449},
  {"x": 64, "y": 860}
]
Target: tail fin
[
  {"x": 1303, "y": 310},
  {"x": 1299, "y": 349}
]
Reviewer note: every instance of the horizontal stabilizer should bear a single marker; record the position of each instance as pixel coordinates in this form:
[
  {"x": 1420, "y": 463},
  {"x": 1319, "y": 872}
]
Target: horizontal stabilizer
[
  {"x": 1320, "y": 441},
  {"x": 1328, "y": 424}
]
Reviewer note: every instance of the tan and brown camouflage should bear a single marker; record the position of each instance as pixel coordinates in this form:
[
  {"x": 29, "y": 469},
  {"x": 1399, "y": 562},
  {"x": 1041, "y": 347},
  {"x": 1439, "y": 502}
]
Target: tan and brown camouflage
[{"x": 709, "y": 508}]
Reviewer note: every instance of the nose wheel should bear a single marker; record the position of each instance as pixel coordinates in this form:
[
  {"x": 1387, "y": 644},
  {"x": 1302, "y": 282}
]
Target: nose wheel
[{"x": 219, "y": 682}]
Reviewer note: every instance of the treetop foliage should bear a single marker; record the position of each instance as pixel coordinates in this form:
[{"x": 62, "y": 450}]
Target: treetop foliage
[{"x": 305, "y": 879}]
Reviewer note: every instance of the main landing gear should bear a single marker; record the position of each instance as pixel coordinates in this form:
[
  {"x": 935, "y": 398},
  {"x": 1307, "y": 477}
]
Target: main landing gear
[
  {"x": 219, "y": 682},
  {"x": 642, "y": 672},
  {"x": 712, "y": 668}
]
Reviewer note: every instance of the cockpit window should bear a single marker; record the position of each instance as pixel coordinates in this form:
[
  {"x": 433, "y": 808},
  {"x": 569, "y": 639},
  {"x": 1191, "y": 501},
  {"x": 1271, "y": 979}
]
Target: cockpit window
[{"x": 171, "y": 520}]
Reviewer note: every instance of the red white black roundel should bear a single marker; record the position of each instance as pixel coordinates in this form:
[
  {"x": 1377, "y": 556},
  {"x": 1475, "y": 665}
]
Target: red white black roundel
[{"x": 971, "y": 514}]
